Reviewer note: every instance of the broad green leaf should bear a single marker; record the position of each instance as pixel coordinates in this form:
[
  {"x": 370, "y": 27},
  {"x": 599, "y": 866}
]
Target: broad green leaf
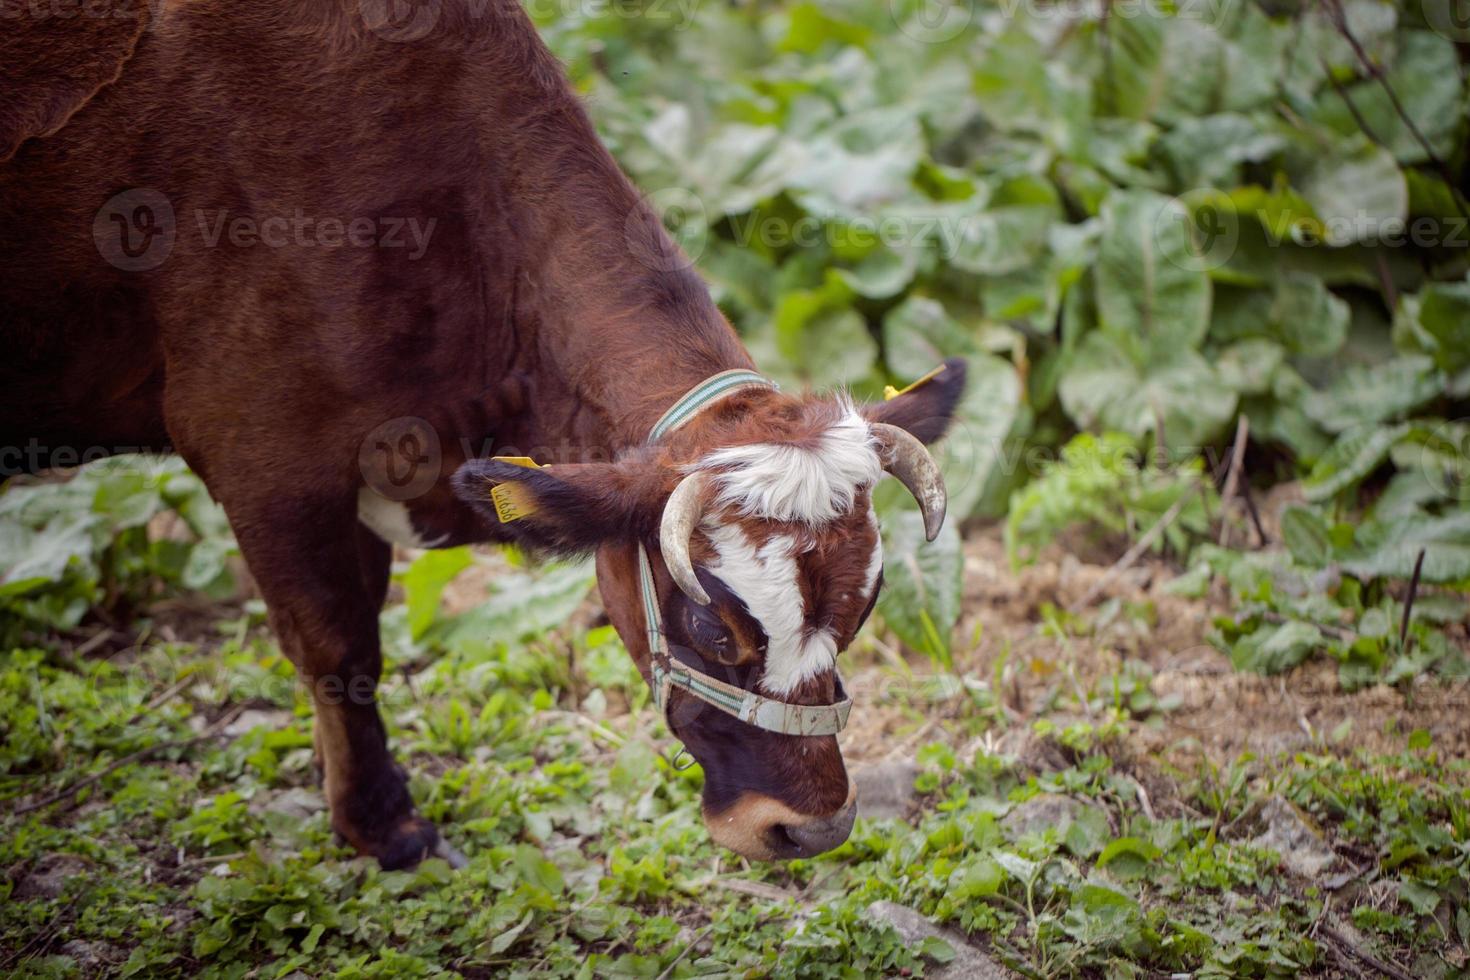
[
  {"x": 1299, "y": 312},
  {"x": 937, "y": 949},
  {"x": 1088, "y": 832},
  {"x": 862, "y": 162},
  {"x": 35, "y": 559},
  {"x": 521, "y": 605},
  {"x": 1021, "y": 90},
  {"x": 206, "y": 562},
  {"x": 1354, "y": 455},
  {"x": 826, "y": 341},
  {"x": 1367, "y": 394},
  {"x": 1444, "y": 314},
  {"x": 918, "y": 334},
  {"x": 1137, "y": 82},
  {"x": 810, "y": 28},
  {"x": 424, "y": 582},
  {"x": 1104, "y": 388},
  {"x": 1358, "y": 192},
  {"x": 1208, "y": 151},
  {"x": 836, "y": 348},
  {"x": 1152, "y": 290},
  {"x": 1000, "y": 241},
  {"x": 1306, "y": 536},
  {"x": 507, "y": 939},
  {"x": 1276, "y": 647},
  {"x": 1306, "y": 317},
  {"x": 1389, "y": 549},
  {"x": 1128, "y": 856},
  {"x": 920, "y": 600},
  {"x": 1425, "y": 79},
  {"x": 881, "y": 274},
  {"x": 979, "y": 877},
  {"x": 977, "y": 454},
  {"x": 1249, "y": 366}
]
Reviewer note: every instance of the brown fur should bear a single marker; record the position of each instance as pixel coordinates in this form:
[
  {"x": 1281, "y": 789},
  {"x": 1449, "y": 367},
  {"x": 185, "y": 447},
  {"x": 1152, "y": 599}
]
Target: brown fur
[{"x": 544, "y": 316}]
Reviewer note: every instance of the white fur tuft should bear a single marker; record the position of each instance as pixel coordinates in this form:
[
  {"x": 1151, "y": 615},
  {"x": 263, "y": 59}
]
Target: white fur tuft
[
  {"x": 793, "y": 483},
  {"x": 390, "y": 520}
]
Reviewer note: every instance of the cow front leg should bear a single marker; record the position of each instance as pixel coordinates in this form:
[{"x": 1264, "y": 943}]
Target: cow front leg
[{"x": 323, "y": 576}]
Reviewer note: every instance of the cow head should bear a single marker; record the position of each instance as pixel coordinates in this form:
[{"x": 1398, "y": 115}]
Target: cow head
[{"x": 758, "y": 521}]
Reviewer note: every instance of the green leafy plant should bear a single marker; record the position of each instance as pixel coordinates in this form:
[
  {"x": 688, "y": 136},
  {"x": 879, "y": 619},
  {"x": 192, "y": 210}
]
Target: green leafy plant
[
  {"x": 1100, "y": 484},
  {"x": 93, "y": 541}
]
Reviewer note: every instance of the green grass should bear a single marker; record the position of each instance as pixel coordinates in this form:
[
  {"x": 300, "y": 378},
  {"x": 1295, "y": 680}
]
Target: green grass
[
  {"x": 588, "y": 858},
  {"x": 1025, "y": 202}
]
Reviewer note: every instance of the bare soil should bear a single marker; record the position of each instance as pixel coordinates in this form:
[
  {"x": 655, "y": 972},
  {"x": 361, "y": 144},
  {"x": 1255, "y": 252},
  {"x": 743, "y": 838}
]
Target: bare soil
[{"x": 1212, "y": 710}]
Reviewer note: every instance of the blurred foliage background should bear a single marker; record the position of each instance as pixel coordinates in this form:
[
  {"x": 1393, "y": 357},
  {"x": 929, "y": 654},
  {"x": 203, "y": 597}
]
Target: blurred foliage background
[
  {"x": 1139, "y": 221},
  {"x": 1208, "y": 262}
]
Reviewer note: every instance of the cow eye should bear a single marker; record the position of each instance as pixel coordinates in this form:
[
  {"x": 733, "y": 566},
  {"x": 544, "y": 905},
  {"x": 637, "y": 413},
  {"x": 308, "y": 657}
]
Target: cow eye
[{"x": 712, "y": 637}]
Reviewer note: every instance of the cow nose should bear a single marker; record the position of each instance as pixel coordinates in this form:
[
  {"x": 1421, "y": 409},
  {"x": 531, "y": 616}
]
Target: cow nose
[{"x": 822, "y": 834}]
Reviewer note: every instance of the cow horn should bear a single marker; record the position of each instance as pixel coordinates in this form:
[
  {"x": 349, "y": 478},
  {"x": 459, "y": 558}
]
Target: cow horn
[
  {"x": 681, "y": 515},
  {"x": 906, "y": 458}
]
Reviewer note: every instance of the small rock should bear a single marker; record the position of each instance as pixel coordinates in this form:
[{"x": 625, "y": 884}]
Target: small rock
[
  {"x": 1289, "y": 833},
  {"x": 49, "y": 877},
  {"x": 969, "y": 963},
  {"x": 1041, "y": 812},
  {"x": 885, "y": 789},
  {"x": 295, "y": 804},
  {"x": 256, "y": 718},
  {"x": 92, "y": 959}
]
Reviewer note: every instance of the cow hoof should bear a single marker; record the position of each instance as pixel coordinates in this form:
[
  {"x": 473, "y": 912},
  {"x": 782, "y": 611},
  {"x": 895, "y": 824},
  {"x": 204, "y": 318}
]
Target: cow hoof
[{"x": 410, "y": 842}]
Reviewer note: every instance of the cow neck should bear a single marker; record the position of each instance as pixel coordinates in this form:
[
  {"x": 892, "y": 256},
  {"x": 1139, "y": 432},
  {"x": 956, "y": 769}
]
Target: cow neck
[{"x": 667, "y": 673}]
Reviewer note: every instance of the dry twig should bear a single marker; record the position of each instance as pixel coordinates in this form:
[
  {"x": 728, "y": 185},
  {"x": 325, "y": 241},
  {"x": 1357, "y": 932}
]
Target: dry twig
[
  {"x": 1134, "y": 553},
  {"x": 1232, "y": 476}
]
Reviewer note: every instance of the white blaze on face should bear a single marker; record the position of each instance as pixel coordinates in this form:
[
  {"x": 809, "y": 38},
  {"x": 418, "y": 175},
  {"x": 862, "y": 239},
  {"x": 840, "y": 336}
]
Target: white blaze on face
[
  {"x": 765, "y": 579},
  {"x": 811, "y": 485}
]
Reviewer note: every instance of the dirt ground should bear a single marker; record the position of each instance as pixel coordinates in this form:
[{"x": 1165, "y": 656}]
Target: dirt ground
[{"x": 1210, "y": 709}]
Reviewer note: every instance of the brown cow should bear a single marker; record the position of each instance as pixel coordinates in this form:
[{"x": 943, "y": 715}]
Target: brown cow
[{"x": 329, "y": 258}]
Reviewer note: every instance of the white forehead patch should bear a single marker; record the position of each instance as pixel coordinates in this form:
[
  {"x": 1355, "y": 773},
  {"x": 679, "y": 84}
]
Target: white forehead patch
[
  {"x": 784, "y": 482},
  {"x": 765, "y": 580}
]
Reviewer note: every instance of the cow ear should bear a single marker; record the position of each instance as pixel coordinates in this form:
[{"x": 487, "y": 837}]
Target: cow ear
[
  {"x": 565, "y": 509},
  {"x": 924, "y": 409}
]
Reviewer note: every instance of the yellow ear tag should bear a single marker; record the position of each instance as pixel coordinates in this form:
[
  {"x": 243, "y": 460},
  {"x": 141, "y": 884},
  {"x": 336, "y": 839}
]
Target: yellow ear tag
[
  {"x": 513, "y": 501},
  {"x": 890, "y": 392}
]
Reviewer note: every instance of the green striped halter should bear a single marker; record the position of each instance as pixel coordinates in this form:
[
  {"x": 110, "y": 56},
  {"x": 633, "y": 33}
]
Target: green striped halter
[{"x": 771, "y": 714}]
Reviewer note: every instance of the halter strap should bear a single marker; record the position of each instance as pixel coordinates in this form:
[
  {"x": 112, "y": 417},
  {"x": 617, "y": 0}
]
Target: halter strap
[{"x": 771, "y": 714}]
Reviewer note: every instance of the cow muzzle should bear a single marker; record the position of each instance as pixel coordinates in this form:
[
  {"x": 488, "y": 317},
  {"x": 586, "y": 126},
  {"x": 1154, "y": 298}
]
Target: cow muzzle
[{"x": 764, "y": 829}]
